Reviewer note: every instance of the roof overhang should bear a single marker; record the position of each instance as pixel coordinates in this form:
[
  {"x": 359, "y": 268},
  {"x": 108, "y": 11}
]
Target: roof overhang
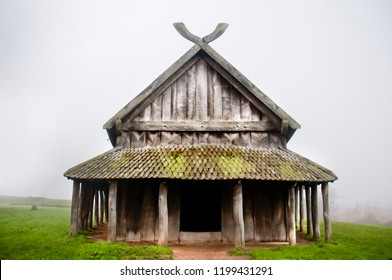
[{"x": 201, "y": 162}]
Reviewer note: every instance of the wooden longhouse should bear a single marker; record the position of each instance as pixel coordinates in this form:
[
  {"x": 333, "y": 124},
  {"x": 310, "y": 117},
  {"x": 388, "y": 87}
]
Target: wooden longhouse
[{"x": 200, "y": 155}]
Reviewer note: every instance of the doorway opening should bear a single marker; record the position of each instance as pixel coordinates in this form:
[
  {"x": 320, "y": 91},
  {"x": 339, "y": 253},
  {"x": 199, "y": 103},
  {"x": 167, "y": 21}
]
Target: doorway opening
[{"x": 200, "y": 206}]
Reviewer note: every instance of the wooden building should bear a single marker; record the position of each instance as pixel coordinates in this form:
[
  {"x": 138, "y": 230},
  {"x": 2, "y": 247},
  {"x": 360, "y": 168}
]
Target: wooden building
[{"x": 200, "y": 155}]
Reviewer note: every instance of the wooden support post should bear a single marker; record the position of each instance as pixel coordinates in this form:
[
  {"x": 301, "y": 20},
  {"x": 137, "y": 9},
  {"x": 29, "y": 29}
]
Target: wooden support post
[
  {"x": 106, "y": 199},
  {"x": 90, "y": 206},
  {"x": 309, "y": 223},
  {"x": 291, "y": 220},
  {"x": 301, "y": 209},
  {"x": 75, "y": 208},
  {"x": 96, "y": 211},
  {"x": 163, "y": 221},
  {"x": 238, "y": 214},
  {"x": 316, "y": 226},
  {"x": 112, "y": 201},
  {"x": 327, "y": 222},
  {"x": 296, "y": 208},
  {"x": 101, "y": 207}
]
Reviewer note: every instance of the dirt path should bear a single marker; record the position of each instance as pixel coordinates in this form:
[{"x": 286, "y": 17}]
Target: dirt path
[
  {"x": 207, "y": 251},
  {"x": 204, "y": 252}
]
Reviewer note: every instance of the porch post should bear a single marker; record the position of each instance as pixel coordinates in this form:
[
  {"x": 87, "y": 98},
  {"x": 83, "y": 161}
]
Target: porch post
[
  {"x": 309, "y": 223},
  {"x": 101, "y": 207},
  {"x": 96, "y": 203},
  {"x": 296, "y": 208},
  {"x": 112, "y": 205},
  {"x": 75, "y": 208},
  {"x": 316, "y": 226},
  {"x": 301, "y": 209},
  {"x": 327, "y": 222},
  {"x": 238, "y": 214},
  {"x": 163, "y": 223},
  {"x": 291, "y": 218}
]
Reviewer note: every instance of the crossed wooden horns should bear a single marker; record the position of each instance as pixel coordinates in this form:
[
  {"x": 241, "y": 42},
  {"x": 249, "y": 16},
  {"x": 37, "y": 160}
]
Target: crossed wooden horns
[{"x": 219, "y": 30}]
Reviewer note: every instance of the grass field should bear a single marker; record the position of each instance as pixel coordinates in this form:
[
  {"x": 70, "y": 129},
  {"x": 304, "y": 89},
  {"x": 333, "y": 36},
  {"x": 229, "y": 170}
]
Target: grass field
[{"x": 44, "y": 234}]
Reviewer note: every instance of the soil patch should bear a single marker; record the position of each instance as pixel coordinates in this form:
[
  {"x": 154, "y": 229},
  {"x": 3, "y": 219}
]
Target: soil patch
[{"x": 205, "y": 251}]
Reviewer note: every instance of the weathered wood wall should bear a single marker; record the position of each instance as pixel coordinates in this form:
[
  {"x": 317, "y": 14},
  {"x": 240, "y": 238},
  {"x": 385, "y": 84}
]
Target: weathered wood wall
[
  {"x": 264, "y": 210},
  {"x": 201, "y": 107}
]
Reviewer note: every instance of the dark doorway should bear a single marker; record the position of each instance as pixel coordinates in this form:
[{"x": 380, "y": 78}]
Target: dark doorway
[{"x": 200, "y": 206}]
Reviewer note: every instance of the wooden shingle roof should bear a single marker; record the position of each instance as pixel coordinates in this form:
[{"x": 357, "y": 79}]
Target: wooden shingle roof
[{"x": 202, "y": 162}]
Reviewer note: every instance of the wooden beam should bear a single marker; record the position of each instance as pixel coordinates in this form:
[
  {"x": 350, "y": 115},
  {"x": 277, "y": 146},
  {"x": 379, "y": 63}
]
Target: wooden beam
[
  {"x": 238, "y": 215},
  {"x": 163, "y": 221},
  {"x": 207, "y": 126},
  {"x": 327, "y": 221},
  {"x": 291, "y": 218},
  {"x": 301, "y": 209},
  {"x": 309, "y": 223},
  {"x": 112, "y": 200},
  {"x": 316, "y": 226},
  {"x": 75, "y": 208}
]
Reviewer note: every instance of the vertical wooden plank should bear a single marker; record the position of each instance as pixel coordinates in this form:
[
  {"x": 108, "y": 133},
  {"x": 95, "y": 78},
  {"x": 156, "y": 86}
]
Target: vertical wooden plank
[
  {"x": 255, "y": 113},
  {"x": 145, "y": 115},
  {"x": 191, "y": 93},
  {"x": 122, "y": 202},
  {"x": 201, "y": 90},
  {"x": 238, "y": 215},
  {"x": 327, "y": 221},
  {"x": 291, "y": 218},
  {"x": 263, "y": 215},
  {"x": 210, "y": 94},
  {"x": 75, "y": 208},
  {"x": 248, "y": 213},
  {"x": 226, "y": 101},
  {"x": 163, "y": 232},
  {"x": 112, "y": 199},
  {"x": 181, "y": 110},
  {"x": 173, "y": 89},
  {"x": 166, "y": 104},
  {"x": 217, "y": 95},
  {"x": 156, "y": 109},
  {"x": 278, "y": 213},
  {"x": 309, "y": 222},
  {"x": 316, "y": 226},
  {"x": 235, "y": 104},
  {"x": 301, "y": 209},
  {"x": 227, "y": 225},
  {"x": 174, "y": 207},
  {"x": 246, "y": 114},
  {"x": 147, "y": 230},
  {"x": 134, "y": 208}
]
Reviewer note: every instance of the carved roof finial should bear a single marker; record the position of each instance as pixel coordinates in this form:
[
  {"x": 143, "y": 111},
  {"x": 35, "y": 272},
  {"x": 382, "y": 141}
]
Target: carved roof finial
[{"x": 219, "y": 30}]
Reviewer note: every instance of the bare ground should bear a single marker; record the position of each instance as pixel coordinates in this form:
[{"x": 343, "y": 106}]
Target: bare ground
[{"x": 205, "y": 251}]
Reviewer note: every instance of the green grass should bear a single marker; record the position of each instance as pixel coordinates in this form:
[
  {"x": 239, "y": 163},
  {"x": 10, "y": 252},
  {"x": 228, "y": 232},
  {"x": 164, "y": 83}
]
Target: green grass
[
  {"x": 44, "y": 234},
  {"x": 350, "y": 242}
]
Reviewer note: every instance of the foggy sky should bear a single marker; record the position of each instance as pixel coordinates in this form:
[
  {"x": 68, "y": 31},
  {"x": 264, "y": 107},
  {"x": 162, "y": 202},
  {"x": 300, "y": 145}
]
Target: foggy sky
[{"x": 66, "y": 67}]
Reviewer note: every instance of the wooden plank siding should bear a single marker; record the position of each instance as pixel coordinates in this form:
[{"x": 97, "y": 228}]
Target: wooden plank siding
[{"x": 200, "y": 107}]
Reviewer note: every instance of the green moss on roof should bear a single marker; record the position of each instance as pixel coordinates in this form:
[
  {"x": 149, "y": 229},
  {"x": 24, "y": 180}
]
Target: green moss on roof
[{"x": 201, "y": 162}]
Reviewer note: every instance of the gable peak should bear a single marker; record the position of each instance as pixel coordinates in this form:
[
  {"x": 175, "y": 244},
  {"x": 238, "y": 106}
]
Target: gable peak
[{"x": 184, "y": 32}]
